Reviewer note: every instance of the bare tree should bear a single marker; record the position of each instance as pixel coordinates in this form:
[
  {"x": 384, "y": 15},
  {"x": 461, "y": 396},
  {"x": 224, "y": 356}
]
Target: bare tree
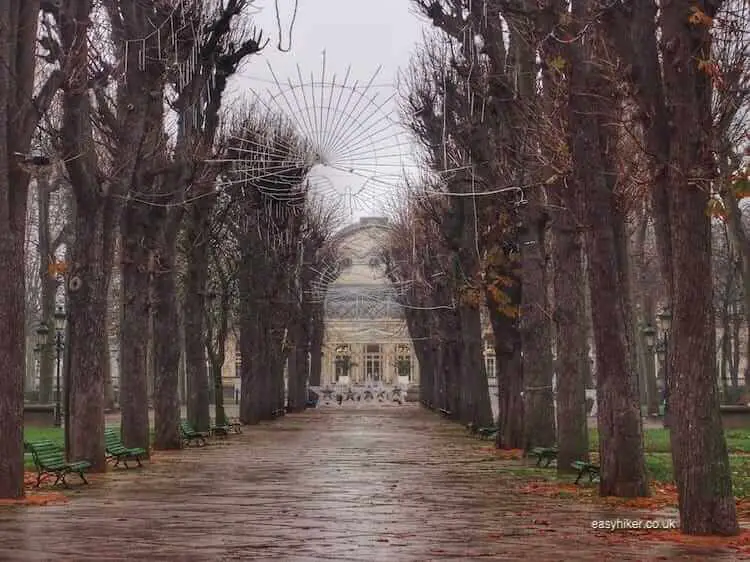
[
  {"x": 267, "y": 166},
  {"x": 317, "y": 230},
  {"x": 20, "y": 108},
  {"x": 673, "y": 83}
]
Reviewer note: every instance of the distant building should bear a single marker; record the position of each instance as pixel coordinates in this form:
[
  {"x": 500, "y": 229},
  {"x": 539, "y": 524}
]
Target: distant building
[{"x": 366, "y": 340}]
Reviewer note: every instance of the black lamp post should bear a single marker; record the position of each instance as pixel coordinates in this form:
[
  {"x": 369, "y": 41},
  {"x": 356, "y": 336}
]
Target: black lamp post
[
  {"x": 60, "y": 318},
  {"x": 664, "y": 320},
  {"x": 649, "y": 336},
  {"x": 42, "y": 333}
]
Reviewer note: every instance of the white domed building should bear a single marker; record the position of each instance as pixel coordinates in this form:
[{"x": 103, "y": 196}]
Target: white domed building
[{"x": 366, "y": 342}]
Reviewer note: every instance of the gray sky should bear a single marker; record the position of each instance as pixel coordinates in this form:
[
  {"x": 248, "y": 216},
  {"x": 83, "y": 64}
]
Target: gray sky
[{"x": 363, "y": 35}]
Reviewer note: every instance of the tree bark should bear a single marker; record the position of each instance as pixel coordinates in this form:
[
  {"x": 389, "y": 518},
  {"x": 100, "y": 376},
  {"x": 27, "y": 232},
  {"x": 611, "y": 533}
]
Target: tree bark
[
  {"x": 571, "y": 334},
  {"x": 48, "y": 284},
  {"x": 297, "y": 368},
  {"x": 507, "y": 340},
  {"x": 87, "y": 315},
  {"x": 196, "y": 235},
  {"x": 166, "y": 338},
  {"x": 475, "y": 405},
  {"x": 316, "y": 343},
  {"x": 12, "y": 321},
  {"x": 623, "y": 471},
  {"x": 19, "y": 113},
  {"x": 135, "y": 312},
  {"x": 539, "y": 409},
  {"x": 699, "y": 452}
]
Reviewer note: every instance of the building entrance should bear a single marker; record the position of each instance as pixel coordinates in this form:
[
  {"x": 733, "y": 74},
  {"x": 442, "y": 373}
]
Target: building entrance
[{"x": 373, "y": 363}]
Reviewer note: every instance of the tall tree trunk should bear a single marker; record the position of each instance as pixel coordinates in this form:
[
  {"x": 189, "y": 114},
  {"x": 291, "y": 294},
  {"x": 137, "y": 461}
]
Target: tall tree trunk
[
  {"x": 475, "y": 406},
  {"x": 741, "y": 246},
  {"x": 221, "y": 416},
  {"x": 736, "y": 346},
  {"x": 724, "y": 346},
  {"x": 297, "y": 367},
  {"x": 48, "y": 284},
  {"x": 317, "y": 328},
  {"x": 507, "y": 339},
  {"x": 571, "y": 334},
  {"x": 196, "y": 235},
  {"x": 12, "y": 321},
  {"x": 88, "y": 288},
  {"x": 539, "y": 410},
  {"x": 623, "y": 471},
  {"x": 166, "y": 341},
  {"x": 699, "y": 451},
  {"x": 19, "y": 113},
  {"x": 109, "y": 390},
  {"x": 249, "y": 324},
  {"x": 135, "y": 273}
]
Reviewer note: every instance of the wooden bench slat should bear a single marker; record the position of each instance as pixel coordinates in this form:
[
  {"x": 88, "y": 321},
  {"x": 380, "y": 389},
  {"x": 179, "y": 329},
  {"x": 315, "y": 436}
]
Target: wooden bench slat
[
  {"x": 585, "y": 468},
  {"x": 189, "y": 434},
  {"x": 49, "y": 459},
  {"x": 117, "y": 450}
]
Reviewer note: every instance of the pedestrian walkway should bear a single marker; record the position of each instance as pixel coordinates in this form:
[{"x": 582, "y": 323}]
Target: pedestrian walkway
[{"x": 362, "y": 484}]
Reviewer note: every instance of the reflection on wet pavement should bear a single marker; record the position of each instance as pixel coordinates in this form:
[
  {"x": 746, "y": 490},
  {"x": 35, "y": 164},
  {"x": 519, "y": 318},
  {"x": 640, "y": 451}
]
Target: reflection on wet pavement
[{"x": 367, "y": 483}]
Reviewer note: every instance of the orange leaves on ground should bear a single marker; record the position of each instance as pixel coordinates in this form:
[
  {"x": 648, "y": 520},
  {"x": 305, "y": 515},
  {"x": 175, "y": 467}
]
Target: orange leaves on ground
[
  {"x": 740, "y": 543},
  {"x": 505, "y": 454},
  {"x": 662, "y": 495},
  {"x": 743, "y": 508},
  {"x": 29, "y": 479},
  {"x": 555, "y": 489},
  {"x": 45, "y": 498},
  {"x": 515, "y": 454}
]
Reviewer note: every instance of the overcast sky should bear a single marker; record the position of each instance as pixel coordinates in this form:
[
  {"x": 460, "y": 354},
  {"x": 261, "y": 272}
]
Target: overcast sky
[{"x": 363, "y": 35}]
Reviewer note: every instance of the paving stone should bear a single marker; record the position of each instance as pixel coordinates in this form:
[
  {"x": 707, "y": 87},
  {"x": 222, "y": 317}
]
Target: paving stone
[{"x": 359, "y": 483}]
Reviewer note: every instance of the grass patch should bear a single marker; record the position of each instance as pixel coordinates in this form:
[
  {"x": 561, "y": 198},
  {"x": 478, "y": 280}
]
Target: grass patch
[
  {"x": 658, "y": 461},
  {"x": 656, "y": 440},
  {"x": 659, "y": 456},
  {"x": 54, "y": 434}
]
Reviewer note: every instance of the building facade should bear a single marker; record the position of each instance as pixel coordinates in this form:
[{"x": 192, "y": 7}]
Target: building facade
[{"x": 366, "y": 341}]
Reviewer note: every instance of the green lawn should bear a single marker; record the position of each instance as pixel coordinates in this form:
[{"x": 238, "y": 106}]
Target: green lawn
[
  {"x": 54, "y": 434},
  {"x": 657, "y": 440},
  {"x": 659, "y": 458}
]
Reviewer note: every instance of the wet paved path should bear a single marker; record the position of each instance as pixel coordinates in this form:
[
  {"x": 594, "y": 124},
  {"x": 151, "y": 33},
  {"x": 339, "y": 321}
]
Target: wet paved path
[{"x": 359, "y": 484}]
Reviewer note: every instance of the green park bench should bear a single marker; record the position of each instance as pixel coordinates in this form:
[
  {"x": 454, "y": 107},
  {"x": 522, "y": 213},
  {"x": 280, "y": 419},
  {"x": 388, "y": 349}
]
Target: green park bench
[
  {"x": 230, "y": 426},
  {"x": 585, "y": 468},
  {"x": 190, "y": 435},
  {"x": 117, "y": 451},
  {"x": 50, "y": 460},
  {"x": 234, "y": 425},
  {"x": 546, "y": 454},
  {"x": 487, "y": 432},
  {"x": 219, "y": 429}
]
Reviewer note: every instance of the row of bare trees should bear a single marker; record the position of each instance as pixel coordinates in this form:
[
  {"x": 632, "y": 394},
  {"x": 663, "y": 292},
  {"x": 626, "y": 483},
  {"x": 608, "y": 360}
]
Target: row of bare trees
[
  {"x": 198, "y": 226},
  {"x": 555, "y": 137}
]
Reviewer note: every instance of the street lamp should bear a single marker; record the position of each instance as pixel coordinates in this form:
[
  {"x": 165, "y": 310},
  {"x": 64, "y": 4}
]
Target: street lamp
[
  {"x": 60, "y": 318},
  {"x": 652, "y": 391},
  {"x": 665, "y": 323},
  {"x": 649, "y": 335},
  {"x": 42, "y": 333}
]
